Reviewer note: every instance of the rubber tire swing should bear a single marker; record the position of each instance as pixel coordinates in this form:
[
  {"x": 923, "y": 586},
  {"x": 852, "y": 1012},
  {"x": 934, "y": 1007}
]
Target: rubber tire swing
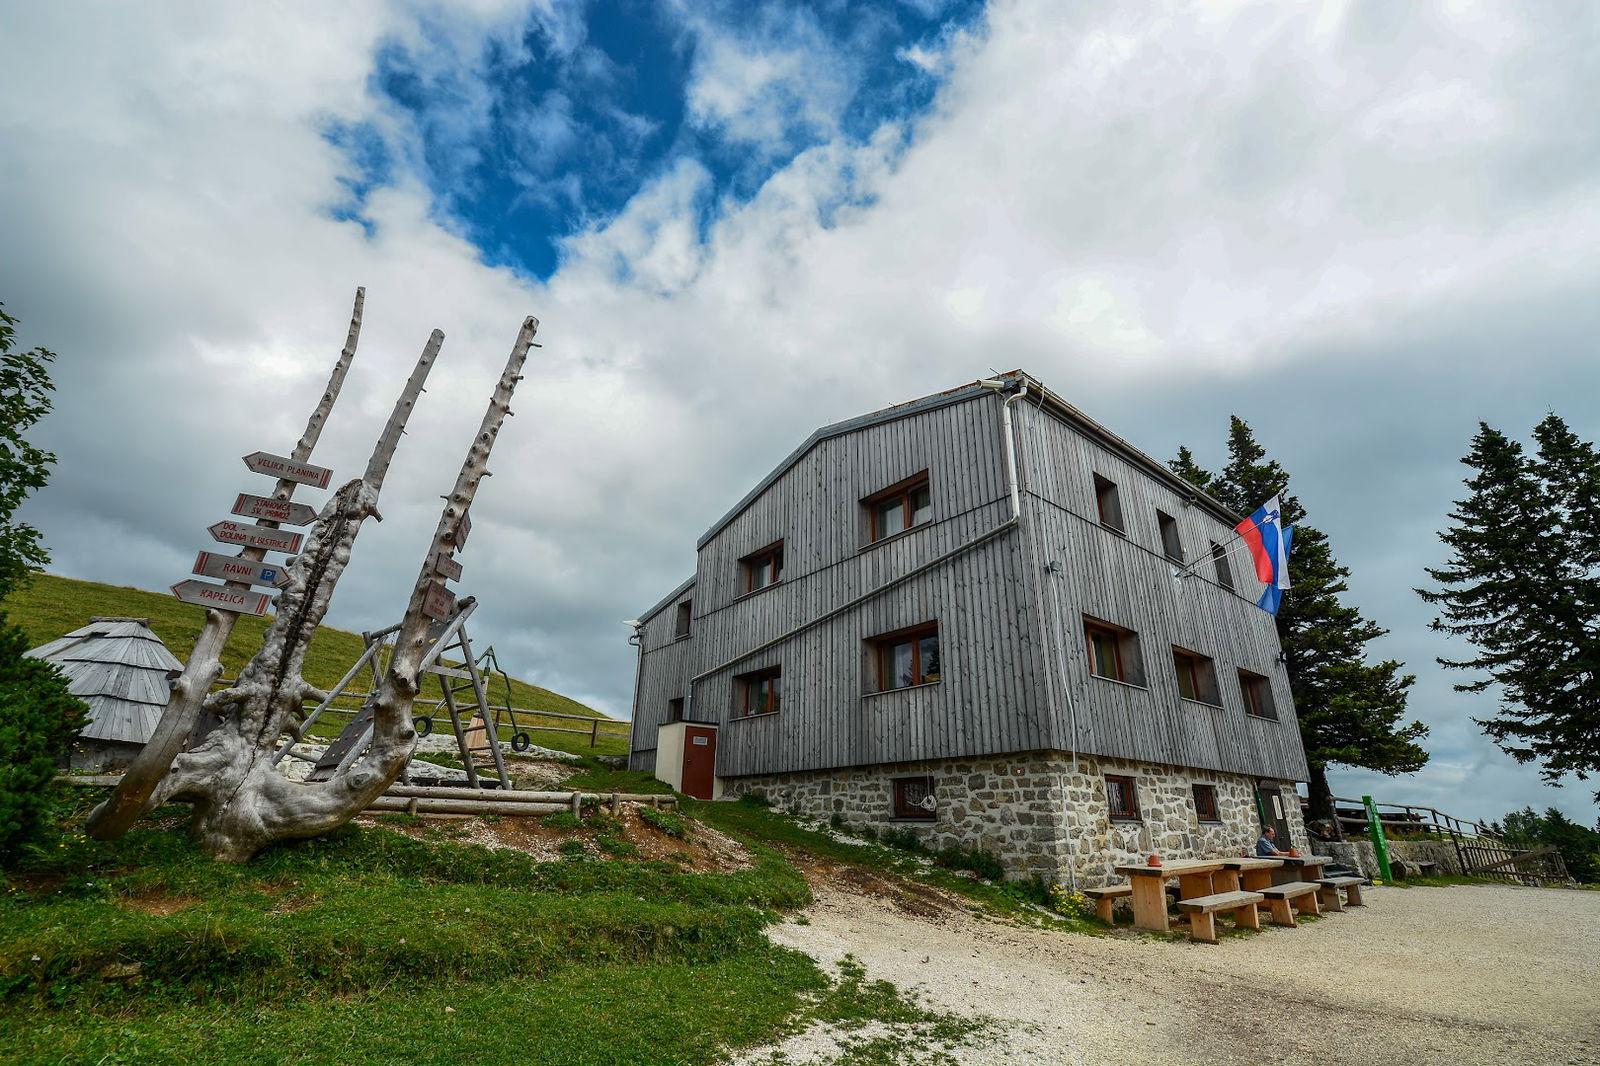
[
  {"x": 520, "y": 742},
  {"x": 422, "y": 724}
]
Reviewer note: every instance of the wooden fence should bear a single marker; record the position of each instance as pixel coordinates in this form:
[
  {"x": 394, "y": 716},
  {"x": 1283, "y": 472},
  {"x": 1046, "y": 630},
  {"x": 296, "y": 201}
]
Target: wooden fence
[{"x": 1480, "y": 851}]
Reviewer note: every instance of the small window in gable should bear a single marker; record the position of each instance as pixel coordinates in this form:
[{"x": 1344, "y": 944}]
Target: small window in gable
[
  {"x": 685, "y": 618},
  {"x": 907, "y": 658},
  {"x": 1197, "y": 676},
  {"x": 914, "y": 798},
  {"x": 1170, "y": 544},
  {"x": 1219, "y": 556},
  {"x": 763, "y": 568},
  {"x": 675, "y": 710},
  {"x": 758, "y": 692},
  {"x": 1113, "y": 652},
  {"x": 1107, "y": 503},
  {"x": 1122, "y": 797},
  {"x": 899, "y": 507},
  {"x": 1205, "y": 803},
  {"x": 1257, "y": 695}
]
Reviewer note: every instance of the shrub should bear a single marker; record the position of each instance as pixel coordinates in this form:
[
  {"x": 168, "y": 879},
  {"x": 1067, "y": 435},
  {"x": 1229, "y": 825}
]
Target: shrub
[
  {"x": 755, "y": 799},
  {"x": 38, "y": 719},
  {"x": 905, "y": 839},
  {"x": 977, "y": 860},
  {"x": 562, "y": 820},
  {"x": 670, "y": 824}
]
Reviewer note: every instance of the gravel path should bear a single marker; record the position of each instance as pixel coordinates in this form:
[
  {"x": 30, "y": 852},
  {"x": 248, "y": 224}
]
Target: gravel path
[{"x": 1454, "y": 977}]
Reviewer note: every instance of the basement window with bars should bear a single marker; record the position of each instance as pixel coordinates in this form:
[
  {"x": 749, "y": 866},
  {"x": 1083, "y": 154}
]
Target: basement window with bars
[
  {"x": 1205, "y": 803},
  {"x": 899, "y": 507},
  {"x": 1122, "y": 798},
  {"x": 914, "y": 799}
]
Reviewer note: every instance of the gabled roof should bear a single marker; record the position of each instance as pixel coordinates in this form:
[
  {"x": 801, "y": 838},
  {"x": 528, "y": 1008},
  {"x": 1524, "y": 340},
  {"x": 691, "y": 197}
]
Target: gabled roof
[
  {"x": 1038, "y": 394},
  {"x": 121, "y": 669}
]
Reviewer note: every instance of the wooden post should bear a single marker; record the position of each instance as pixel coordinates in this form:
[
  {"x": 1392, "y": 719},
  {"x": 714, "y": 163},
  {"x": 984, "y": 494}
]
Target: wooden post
[{"x": 594, "y": 733}]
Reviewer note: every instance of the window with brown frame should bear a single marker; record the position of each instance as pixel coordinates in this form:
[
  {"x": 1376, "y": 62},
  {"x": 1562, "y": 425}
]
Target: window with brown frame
[
  {"x": 763, "y": 568},
  {"x": 914, "y": 798},
  {"x": 1219, "y": 557},
  {"x": 1197, "y": 676},
  {"x": 1171, "y": 545},
  {"x": 907, "y": 657},
  {"x": 1113, "y": 652},
  {"x": 1257, "y": 692},
  {"x": 675, "y": 710},
  {"x": 758, "y": 692},
  {"x": 1205, "y": 803},
  {"x": 899, "y": 507},
  {"x": 1122, "y": 797},
  {"x": 1108, "y": 504},
  {"x": 685, "y": 619}
]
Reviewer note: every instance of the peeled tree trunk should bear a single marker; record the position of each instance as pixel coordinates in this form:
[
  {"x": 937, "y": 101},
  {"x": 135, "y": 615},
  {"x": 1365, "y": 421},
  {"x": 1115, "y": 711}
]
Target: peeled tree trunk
[{"x": 242, "y": 802}]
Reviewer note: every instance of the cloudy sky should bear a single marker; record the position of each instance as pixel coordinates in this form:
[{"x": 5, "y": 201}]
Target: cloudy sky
[{"x": 1361, "y": 227}]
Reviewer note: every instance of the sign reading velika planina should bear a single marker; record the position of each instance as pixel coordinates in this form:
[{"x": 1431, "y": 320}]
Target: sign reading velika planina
[
  {"x": 204, "y": 593},
  {"x": 273, "y": 540},
  {"x": 234, "y": 568},
  {"x": 288, "y": 469},
  {"x": 285, "y": 511}
]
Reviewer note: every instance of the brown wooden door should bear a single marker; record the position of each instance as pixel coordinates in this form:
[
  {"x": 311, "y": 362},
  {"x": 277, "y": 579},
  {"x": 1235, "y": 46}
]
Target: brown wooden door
[
  {"x": 699, "y": 760},
  {"x": 1269, "y": 800}
]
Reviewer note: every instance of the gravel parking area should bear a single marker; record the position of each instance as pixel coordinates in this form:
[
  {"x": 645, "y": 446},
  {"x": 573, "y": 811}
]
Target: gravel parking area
[{"x": 1449, "y": 976}]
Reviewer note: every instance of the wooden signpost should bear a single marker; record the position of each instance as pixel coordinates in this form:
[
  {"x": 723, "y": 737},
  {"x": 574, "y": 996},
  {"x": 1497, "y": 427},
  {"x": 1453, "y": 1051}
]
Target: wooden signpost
[
  {"x": 284, "y": 511},
  {"x": 264, "y": 537},
  {"x": 234, "y": 568},
  {"x": 288, "y": 469},
  {"x": 438, "y": 601},
  {"x": 206, "y": 594},
  {"x": 446, "y": 567}
]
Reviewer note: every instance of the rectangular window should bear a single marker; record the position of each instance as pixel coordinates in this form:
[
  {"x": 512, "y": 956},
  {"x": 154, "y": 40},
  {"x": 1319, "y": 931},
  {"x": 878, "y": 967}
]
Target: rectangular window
[
  {"x": 1113, "y": 651},
  {"x": 675, "y": 710},
  {"x": 1257, "y": 695},
  {"x": 1122, "y": 797},
  {"x": 913, "y": 798},
  {"x": 908, "y": 657},
  {"x": 1170, "y": 544},
  {"x": 1106, "y": 502},
  {"x": 760, "y": 692},
  {"x": 899, "y": 507},
  {"x": 763, "y": 568},
  {"x": 1205, "y": 803},
  {"x": 1219, "y": 556},
  {"x": 685, "y": 617},
  {"x": 1197, "y": 676}
]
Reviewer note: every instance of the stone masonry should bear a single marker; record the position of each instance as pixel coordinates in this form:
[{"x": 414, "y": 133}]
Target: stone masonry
[{"x": 1036, "y": 811}]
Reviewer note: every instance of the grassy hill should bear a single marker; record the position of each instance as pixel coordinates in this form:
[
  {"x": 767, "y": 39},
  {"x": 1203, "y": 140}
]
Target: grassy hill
[{"x": 54, "y": 606}]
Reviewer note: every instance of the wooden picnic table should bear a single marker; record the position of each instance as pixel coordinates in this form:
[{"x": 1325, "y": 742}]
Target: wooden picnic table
[
  {"x": 1247, "y": 873},
  {"x": 1149, "y": 887},
  {"x": 1300, "y": 868}
]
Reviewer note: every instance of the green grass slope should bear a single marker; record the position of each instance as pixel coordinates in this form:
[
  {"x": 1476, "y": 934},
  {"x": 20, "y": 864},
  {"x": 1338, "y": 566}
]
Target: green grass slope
[{"x": 54, "y": 606}]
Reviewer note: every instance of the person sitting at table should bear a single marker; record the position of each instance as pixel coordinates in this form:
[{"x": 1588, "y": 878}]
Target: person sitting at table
[{"x": 1267, "y": 846}]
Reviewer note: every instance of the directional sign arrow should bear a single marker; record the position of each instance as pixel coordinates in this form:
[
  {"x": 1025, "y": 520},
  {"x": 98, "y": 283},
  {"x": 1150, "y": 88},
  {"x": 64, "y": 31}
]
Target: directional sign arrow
[
  {"x": 288, "y": 469},
  {"x": 233, "y": 568},
  {"x": 220, "y": 596},
  {"x": 291, "y": 514},
  {"x": 446, "y": 567},
  {"x": 273, "y": 540},
  {"x": 438, "y": 601}
]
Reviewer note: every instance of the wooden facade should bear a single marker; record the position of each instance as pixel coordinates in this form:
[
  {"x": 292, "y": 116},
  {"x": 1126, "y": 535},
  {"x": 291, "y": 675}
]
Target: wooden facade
[{"x": 1009, "y": 600}]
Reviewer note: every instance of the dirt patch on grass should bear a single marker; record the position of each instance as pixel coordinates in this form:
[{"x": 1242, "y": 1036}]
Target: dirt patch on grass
[
  {"x": 909, "y": 897},
  {"x": 623, "y": 835},
  {"x": 159, "y": 905}
]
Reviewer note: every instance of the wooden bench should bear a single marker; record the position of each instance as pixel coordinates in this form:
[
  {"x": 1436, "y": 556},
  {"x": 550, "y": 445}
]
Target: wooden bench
[
  {"x": 1304, "y": 895},
  {"x": 1329, "y": 895},
  {"x": 1426, "y": 869},
  {"x": 1202, "y": 912},
  {"x": 1106, "y": 898}
]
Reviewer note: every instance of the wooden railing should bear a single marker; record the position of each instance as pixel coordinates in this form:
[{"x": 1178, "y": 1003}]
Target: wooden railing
[{"x": 1480, "y": 851}]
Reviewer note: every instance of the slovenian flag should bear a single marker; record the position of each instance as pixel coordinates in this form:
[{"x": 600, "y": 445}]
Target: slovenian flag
[{"x": 1268, "y": 541}]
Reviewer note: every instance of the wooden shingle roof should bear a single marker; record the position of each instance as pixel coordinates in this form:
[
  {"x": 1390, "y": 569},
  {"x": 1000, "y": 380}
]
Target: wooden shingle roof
[{"x": 120, "y": 668}]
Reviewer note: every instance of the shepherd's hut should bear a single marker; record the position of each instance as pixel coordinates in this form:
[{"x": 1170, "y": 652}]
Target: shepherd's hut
[{"x": 122, "y": 670}]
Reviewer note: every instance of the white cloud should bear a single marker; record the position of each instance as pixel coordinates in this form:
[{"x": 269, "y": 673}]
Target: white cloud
[{"x": 1150, "y": 209}]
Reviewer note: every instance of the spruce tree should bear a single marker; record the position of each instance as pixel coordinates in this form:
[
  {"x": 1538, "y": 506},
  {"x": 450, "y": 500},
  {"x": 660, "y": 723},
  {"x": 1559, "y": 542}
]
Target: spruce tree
[
  {"x": 1350, "y": 710},
  {"x": 1522, "y": 584}
]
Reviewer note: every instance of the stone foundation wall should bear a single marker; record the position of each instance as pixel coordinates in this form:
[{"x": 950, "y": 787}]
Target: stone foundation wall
[
  {"x": 1037, "y": 812},
  {"x": 1361, "y": 855}
]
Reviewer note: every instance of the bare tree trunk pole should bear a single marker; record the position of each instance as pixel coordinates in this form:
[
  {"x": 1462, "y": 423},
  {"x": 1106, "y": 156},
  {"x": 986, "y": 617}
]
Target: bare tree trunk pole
[{"x": 131, "y": 798}]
